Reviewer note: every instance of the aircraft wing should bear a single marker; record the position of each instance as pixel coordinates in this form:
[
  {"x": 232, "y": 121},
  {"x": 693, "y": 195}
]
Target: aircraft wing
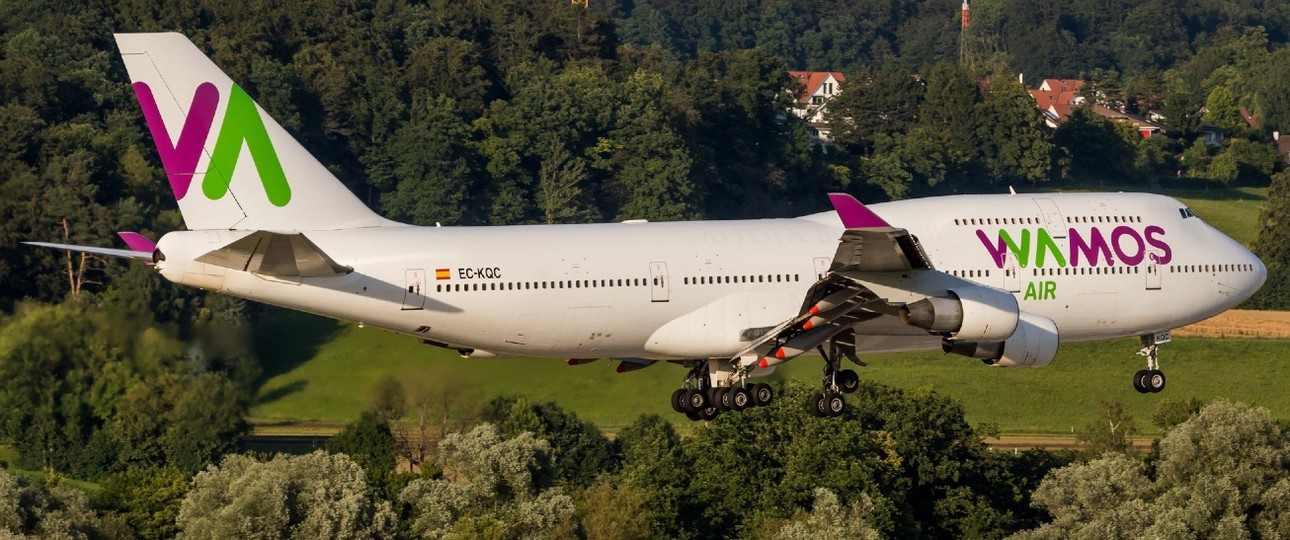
[{"x": 841, "y": 299}]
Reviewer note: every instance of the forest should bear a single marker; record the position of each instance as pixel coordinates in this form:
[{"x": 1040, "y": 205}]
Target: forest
[{"x": 508, "y": 112}]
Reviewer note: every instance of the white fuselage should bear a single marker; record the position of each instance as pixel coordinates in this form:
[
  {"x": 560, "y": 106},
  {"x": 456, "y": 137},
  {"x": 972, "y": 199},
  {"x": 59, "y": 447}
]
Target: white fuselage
[{"x": 687, "y": 290}]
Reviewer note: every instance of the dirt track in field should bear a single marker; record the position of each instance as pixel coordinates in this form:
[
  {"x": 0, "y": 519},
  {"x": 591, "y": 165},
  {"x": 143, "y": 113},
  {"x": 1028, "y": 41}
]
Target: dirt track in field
[
  {"x": 1049, "y": 442},
  {"x": 1241, "y": 323}
]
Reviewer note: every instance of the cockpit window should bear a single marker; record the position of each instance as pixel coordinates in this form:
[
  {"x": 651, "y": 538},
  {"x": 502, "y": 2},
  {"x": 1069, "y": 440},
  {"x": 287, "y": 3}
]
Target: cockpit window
[{"x": 1186, "y": 212}]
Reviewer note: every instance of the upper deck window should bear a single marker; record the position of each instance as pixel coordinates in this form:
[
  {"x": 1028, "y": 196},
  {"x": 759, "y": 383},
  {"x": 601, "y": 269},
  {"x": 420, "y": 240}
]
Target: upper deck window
[{"x": 1186, "y": 212}]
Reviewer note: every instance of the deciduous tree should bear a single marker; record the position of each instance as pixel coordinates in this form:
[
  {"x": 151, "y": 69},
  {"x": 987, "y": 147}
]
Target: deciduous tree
[{"x": 318, "y": 495}]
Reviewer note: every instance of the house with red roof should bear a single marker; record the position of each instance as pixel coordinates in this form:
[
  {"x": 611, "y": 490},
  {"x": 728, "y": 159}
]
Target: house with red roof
[
  {"x": 818, "y": 88},
  {"x": 1056, "y": 98}
]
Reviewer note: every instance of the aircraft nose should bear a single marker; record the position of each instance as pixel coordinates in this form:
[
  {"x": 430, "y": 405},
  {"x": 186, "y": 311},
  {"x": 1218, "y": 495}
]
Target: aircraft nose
[{"x": 1260, "y": 273}]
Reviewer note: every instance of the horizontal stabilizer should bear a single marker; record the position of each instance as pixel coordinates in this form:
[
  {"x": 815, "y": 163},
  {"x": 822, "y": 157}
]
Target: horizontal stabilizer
[
  {"x": 126, "y": 253},
  {"x": 275, "y": 254}
]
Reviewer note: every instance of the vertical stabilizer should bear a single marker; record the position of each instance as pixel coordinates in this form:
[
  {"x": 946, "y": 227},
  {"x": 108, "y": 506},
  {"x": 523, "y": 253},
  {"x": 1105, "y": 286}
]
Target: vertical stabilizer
[{"x": 230, "y": 165}]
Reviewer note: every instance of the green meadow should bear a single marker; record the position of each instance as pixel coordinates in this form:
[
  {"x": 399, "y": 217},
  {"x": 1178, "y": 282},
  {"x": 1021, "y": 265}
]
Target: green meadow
[
  {"x": 332, "y": 381},
  {"x": 319, "y": 371}
]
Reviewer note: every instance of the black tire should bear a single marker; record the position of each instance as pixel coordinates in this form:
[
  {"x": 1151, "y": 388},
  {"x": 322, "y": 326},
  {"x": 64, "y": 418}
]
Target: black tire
[
  {"x": 740, "y": 398},
  {"x": 816, "y": 403},
  {"x": 1155, "y": 381},
  {"x": 721, "y": 399},
  {"x": 848, "y": 381},
  {"x": 678, "y": 400},
  {"x": 708, "y": 413},
  {"x": 695, "y": 400},
  {"x": 762, "y": 394},
  {"x": 1140, "y": 381},
  {"x": 811, "y": 405},
  {"x": 834, "y": 405},
  {"x": 693, "y": 416}
]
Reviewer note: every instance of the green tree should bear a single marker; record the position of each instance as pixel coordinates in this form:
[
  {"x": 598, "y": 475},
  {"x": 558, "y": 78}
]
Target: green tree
[
  {"x": 430, "y": 166},
  {"x": 1171, "y": 412},
  {"x": 655, "y": 462},
  {"x": 651, "y": 166},
  {"x": 1220, "y": 474},
  {"x": 183, "y": 422},
  {"x": 829, "y": 519},
  {"x": 912, "y": 454},
  {"x": 28, "y": 511},
  {"x": 147, "y": 499},
  {"x": 493, "y": 487},
  {"x": 579, "y": 452},
  {"x": 1015, "y": 144},
  {"x": 626, "y": 519},
  {"x": 950, "y": 113},
  {"x": 311, "y": 496},
  {"x": 1098, "y": 148},
  {"x": 1111, "y": 431},
  {"x": 1221, "y": 109},
  {"x": 872, "y": 103},
  {"x": 368, "y": 442},
  {"x": 1273, "y": 245},
  {"x": 1108, "y": 497},
  {"x": 62, "y": 371}
]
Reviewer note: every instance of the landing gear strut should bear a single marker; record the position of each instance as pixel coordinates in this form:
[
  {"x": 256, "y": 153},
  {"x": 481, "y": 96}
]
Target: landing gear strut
[
  {"x": 1151, "y": 379},
  {"x": 828, "y": 401}
]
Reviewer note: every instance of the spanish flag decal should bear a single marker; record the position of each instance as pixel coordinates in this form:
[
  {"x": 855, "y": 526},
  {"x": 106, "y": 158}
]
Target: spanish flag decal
[{"x": 442, "y": 273}]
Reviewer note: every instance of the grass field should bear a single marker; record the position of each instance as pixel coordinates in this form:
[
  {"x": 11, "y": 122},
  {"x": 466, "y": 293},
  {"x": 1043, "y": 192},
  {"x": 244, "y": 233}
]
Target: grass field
[
  {"x": 322, "y": 372},
  {"x": 334, "y": 384}
]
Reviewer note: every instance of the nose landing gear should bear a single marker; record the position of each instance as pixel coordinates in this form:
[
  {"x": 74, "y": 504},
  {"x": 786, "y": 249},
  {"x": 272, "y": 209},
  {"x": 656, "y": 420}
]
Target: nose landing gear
[{"x": 1152, "y": 379}]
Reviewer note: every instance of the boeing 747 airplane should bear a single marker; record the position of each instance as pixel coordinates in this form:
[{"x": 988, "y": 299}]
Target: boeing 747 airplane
[{"x": 1002, "y": 278}]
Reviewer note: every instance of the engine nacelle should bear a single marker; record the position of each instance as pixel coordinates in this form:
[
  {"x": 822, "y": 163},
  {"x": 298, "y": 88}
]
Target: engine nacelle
[
  {"x": 972, "y": 313},
  {"x": 1034, "y": 344}
]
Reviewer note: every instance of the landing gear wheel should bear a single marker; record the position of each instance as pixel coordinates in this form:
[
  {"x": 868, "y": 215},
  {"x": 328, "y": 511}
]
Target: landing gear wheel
[
  {"x": 1154, "y": 381},
  {"x": 693, "y": 416},
  {"x": 695, "y": 400},
  {"x": 721, "y": 398},
  {"x": 1151, "y": 379},
  {"x": 740, "y": 398},
  {"x": 834, "y": 405},
  {"x": 848, "y": 381},
  {"x": 678, "y": 400},
  {"x": 708, "y": 413},
  {"x": 1140, "y": 381},
  {"x": 816, "y": 405},
  {"x": 762, "y": 394}
]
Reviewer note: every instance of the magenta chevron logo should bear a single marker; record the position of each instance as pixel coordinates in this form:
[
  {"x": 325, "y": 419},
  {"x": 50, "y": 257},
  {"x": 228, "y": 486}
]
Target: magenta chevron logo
[{"x": 242, "y": 125}]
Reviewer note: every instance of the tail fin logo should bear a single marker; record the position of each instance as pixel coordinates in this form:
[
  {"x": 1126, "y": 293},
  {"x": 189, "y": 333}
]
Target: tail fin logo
[{"x": 241, "y": 124}]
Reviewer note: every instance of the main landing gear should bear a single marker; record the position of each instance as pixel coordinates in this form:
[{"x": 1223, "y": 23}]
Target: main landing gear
[
  {"x": 700, "y": 399},
  {"x": 1151, "y": 379},
  {"x": 828, "y": 401}
]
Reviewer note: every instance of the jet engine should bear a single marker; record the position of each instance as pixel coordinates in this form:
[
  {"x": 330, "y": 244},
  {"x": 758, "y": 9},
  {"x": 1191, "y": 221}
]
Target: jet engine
[
  {"x": 1034, "y": 344},
  {"x": 972, "y": 313}
]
